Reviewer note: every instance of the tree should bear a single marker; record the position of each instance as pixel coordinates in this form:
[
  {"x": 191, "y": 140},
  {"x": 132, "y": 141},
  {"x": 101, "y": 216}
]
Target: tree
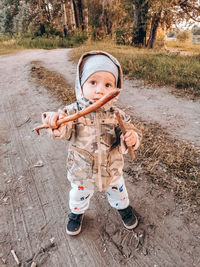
[
  {"x": 162, "y": 13},
  {"x": 140, "y": 21}
]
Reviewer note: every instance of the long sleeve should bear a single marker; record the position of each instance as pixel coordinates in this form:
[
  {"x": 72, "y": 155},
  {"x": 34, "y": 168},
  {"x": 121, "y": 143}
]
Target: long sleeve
[{"x": 128, "y": 126}]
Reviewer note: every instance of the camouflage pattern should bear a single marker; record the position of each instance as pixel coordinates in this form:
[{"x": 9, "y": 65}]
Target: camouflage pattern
[{"x": 94, "y": 153}]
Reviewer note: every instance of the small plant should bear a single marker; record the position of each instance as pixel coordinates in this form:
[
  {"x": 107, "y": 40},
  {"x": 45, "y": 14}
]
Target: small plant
[
  {"x": 123, "y": 36},
  {"x": 184, "y": 36}
]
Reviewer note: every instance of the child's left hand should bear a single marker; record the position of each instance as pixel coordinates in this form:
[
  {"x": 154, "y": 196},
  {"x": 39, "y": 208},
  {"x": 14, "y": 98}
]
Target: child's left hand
[{"x": 130, "y": 138}]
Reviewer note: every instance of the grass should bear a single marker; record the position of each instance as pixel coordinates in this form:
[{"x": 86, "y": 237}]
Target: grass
[
  {"x": 186, "y": 46},
  {"x": 4, "y": 51},
  {"x": 181, "y": 72},
  {"x": 8, "y": 45},
  {"x": 45, "y": 42},
  {"x": 168, "y": 162}
]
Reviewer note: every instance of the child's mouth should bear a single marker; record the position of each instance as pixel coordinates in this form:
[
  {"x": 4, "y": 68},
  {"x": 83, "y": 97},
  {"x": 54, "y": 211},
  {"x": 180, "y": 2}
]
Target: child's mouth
[{"x": 96, "y": 98}]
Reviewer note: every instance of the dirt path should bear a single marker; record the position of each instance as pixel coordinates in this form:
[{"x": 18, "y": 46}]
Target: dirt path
[{"x": 34, "y": 189}]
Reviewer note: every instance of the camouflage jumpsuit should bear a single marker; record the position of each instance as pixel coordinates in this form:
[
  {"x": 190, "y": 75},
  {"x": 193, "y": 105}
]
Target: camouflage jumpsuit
[{"x": 95, "y": 154}]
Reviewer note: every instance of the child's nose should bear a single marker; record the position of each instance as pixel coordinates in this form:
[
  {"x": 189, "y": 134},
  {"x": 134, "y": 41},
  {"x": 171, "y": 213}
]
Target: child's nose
[{"x": 99, "y": 89}]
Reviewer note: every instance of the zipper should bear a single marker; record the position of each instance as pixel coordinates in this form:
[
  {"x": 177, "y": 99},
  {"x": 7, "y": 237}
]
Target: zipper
[{"x": 99, "y": 160}]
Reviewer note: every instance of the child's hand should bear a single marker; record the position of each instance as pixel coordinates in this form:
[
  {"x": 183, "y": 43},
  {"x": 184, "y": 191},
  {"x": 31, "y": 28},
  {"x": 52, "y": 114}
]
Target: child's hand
[
  {"x": 51, "y": 118},
  {"x": 130, "y": 138}
]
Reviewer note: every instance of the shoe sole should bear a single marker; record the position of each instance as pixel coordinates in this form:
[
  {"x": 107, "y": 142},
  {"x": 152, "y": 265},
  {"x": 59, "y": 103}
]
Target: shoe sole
[
  {"x": 75, "y": 232},
  {"x": 131, "y": 226}
]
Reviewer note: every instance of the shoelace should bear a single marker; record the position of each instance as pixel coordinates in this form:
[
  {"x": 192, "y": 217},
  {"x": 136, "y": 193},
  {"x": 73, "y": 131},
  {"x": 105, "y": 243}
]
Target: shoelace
[{"x": 75, "y": 217}]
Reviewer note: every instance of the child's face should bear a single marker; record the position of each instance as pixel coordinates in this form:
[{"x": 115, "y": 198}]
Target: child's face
[{"x": 98, "y": 84}]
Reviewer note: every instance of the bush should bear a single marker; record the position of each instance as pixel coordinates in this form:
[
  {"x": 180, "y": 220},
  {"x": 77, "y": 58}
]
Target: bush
[
  {"x": 184, "y": 36},
  {"x": 123, "y": 36},
  {"x": 196, "y": 30},
  {"x": 96, "y": 34},
  {"x": 77, "y": 37},
  {"x": 171, "y": 34}
]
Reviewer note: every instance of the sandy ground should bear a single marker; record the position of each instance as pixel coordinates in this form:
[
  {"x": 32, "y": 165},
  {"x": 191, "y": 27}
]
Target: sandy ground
[{"x": 34, "y": 188}]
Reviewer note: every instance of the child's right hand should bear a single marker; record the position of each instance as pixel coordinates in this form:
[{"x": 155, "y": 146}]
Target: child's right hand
[{"x": 51, "y": 118}]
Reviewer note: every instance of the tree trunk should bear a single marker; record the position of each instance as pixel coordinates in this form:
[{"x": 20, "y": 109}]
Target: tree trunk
[
  {"x": 141, "y": 8},
  {"x": 153, "y": 31},
  {"x": 40, "y": 10},
  {"x": 72, "y": 15},
  {"x": 78, "y": 12},
  {"x": 75, "y": 14},
  {"x": 64, "y": 13},
  {"x": 47, "y": 10},
  {"x": 85, "y": 14}
]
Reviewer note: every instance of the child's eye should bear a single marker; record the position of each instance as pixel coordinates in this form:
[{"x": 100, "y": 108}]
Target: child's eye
[
  {"x": 108, "y": 85},
  {"x": 93, "y": 82}
]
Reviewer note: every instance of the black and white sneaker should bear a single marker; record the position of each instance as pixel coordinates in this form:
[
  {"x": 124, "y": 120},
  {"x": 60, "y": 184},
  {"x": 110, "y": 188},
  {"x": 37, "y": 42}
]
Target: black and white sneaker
[
  {"x": 129, "y": 219},
  {"x": 74, "y": 224}
]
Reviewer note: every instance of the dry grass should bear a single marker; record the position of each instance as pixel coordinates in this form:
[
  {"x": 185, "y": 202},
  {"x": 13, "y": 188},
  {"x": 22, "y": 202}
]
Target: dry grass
[
  {"x": 4, "y": 51},
  {"x": 53, "y": 81},
  {"x": 169, "y": 162},
  {"x": 184, "y": 46},
  {"x": 163, "y": 160}
]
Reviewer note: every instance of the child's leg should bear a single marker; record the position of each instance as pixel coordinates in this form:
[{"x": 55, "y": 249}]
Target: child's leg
[
  {"x": 117, "y": 195},
  {"x": 79, "y": 197},
  {"x": 118, "y": 198}
]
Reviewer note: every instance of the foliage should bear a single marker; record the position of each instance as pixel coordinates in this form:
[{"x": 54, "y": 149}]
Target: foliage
[
  {"x": 196, "y": 30},
  {"x": 126, "y": 21},
  {"x": 161, "y": 13},
  {"x": 172, "y": 34},
  {"x": 123, "y": 35},
  {"x": 184, "y": 36}
]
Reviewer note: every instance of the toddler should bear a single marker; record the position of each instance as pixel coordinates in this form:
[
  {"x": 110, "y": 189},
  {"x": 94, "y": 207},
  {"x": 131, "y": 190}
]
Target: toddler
[{"x": 96, "y": 143}]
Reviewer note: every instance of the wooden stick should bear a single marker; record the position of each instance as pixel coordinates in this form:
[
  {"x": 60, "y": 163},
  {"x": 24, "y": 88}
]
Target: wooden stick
[
  {"x": 102, "y": 101},
  {"x": 15, "y": 257},
  {"x": 121, "y": 124}
]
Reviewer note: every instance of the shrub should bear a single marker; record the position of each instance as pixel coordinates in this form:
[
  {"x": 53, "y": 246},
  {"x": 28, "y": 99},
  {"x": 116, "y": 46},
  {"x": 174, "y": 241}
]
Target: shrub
[
  {"x": 171, "y": 34},
  {"x": 123, "y": 35},
  {"x": 184, "y": 36}
]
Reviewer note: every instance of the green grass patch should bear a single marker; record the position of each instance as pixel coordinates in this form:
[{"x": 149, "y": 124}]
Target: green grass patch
[
  {"x": 42, "y": 42},
  {"x": 161, "y": 68},
  {"x": 45, "y": 43}
]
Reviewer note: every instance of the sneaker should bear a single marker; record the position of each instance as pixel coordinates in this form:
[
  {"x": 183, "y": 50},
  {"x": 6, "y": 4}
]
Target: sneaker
[
  {"x": 74, "y": 224},
  {"x": 129, "y": 219}
]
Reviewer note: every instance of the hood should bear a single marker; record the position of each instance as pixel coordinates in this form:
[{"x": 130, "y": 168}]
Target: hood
[{"x": 79, "y": 96}]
